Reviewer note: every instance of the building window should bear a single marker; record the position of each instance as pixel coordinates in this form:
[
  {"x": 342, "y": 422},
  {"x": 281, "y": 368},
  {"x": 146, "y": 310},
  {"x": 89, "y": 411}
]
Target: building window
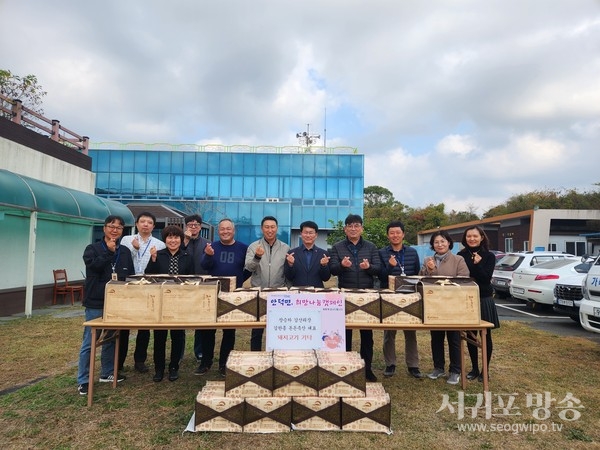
[
  {"x": 508, "y": 245},
  {"x": 552, "y": 247},
  {"x": 525, "y": 246}
]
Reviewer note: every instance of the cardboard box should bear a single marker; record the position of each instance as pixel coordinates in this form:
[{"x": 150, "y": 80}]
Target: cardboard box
[
  {"x": 227, "y": 284},
  {"x": 450, "y": 301},
  {"x": 316, "y": 413},
  {"x": 237, "y": 306},
  {"x": 372, "y": 413},
  {"x": 215, "y": 412},
  {"x": 340, "y": 374},
  {"x": 262, "y": 301},
  {"x": 132, "y": 302},
  {"x": 268, "y": 415},
  {"x": 192, "y": 302},
  {"x": 362, "y": 306},
  {"x": 405, "y": 284},
  {"x": 294, "y": 373},
  {"x": 401, "y": 308},
  {"x": 249, "y": 374}
]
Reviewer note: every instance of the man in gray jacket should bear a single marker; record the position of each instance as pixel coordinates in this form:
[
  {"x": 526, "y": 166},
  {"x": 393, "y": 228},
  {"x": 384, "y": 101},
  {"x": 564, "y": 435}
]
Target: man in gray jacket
[
  {"x": 265, "y": 259},
  {"x": 356, "y": 262}
]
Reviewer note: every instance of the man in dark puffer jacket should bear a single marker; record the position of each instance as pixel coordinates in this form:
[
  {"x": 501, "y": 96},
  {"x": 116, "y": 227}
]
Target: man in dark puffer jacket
[{"x": 355, "y": 262}]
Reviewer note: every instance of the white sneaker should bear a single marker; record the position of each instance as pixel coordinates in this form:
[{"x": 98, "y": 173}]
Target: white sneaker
[{"x": 454, "y": 378}]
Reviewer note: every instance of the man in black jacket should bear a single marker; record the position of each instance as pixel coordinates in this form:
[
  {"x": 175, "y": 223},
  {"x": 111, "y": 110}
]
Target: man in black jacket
[
  {"x": 104, "y": 261},
  {"x": 355, "y": 262}
]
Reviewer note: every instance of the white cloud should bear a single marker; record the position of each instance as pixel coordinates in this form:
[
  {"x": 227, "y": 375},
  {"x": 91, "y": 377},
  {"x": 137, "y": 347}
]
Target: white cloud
[{"x": 462, "y": 103}]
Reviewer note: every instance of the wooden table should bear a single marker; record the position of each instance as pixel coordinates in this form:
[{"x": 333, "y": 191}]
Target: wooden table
[{"x": 109, "y": 331}]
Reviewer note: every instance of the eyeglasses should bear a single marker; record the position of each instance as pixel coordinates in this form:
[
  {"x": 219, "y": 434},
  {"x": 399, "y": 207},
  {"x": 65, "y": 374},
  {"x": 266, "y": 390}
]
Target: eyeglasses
[
  {"x": 193, "y": 225},
  {"x": 354, "y": 225},
  {"x": 114, "y": 227}
]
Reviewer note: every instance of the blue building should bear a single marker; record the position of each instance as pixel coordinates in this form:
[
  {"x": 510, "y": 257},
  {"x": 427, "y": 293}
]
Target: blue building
[{"x": 242, "y": 183}]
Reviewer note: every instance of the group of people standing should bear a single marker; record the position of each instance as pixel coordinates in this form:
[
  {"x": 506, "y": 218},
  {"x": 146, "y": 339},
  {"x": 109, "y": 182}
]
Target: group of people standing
[{"x": 270, "y": 263}]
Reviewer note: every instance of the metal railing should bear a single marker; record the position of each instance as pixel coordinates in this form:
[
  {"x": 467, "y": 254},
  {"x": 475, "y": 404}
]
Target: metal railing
[
  {"x": 219, "y": 148},
  {"x": 14, "y": 110}
]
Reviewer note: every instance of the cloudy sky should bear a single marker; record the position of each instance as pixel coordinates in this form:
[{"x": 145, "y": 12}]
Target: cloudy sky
[{"x": 465, "y": 102}]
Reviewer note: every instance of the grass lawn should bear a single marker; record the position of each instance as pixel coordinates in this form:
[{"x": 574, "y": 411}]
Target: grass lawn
[{"x": 40, "y": 406}]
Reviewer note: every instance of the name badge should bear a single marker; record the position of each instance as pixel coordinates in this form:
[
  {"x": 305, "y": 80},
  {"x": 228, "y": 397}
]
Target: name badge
[{"x": 114, "y": 276}]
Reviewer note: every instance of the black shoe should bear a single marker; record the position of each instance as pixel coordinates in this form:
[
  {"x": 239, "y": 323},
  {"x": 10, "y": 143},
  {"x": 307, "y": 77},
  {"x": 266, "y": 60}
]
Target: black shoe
[
  {"x": 473, "y": 374},
  {"x": 389, "y": 371},
  {"x": 141, "y": 367},
  {"x": 415, "y": 372},
  {"x": 201, "y": 370},
  {"x": 83, "y": 389},
  {"x": 370, "y": 376},
  {"x": 222, "y": 371},
  {"x": 173, "y": 374},
  {"x": 158, "y": 376},
  {"x": 480, "y": 377}
]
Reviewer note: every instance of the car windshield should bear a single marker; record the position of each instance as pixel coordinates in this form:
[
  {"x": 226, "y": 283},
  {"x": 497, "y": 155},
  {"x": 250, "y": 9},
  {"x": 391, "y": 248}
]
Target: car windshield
[{"x": 509, "y": 262}]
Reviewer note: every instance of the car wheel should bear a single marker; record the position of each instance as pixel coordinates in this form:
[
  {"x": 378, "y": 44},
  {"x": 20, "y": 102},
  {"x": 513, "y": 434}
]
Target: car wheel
[
  {"x": 499, "y": 294},
  {"x": 576, "y": 318}
]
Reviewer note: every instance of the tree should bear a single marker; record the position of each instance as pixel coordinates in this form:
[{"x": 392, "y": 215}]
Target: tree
[
  {"x": 377, "y": 196},
  {"x": 24, "y": 88}
]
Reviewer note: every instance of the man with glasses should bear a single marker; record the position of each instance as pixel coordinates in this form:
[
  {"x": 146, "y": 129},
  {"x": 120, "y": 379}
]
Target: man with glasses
[
  {"x": 307, "y": 265},
  {"x": 195, "y": 245},
  {"x": 355, "y": 261},
  {"x": 104, "y": 260}
]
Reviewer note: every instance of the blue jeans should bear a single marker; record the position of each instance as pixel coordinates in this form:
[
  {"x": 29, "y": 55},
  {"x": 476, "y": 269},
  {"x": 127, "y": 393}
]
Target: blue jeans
[{"x": 107, "y": 358}]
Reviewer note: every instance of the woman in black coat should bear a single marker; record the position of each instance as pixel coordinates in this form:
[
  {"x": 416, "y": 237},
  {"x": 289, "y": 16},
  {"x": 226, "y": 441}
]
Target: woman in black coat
[
  {"x": 171, "y": 260},
  {"x": 480, "y": 262}
]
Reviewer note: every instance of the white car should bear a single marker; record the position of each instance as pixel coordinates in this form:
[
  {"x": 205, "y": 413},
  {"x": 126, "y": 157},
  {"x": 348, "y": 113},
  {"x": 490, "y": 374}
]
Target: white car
[
  {"x": 589, "y": 309},
  {"x": 504, "y": 268},
  {"x": 536, "y": 284}
]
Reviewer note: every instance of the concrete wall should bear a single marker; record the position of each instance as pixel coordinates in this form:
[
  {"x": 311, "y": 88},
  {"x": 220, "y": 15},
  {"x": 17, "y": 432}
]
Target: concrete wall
[{"x": 22, "y": 160}]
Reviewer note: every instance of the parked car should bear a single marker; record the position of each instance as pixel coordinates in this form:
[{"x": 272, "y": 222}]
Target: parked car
[
  {"x": 568, "y": 293},
  {"x": 589, "y": 308},
  {"x": 498, "y": 254},
  {"x": 504, "y": 269},
  {"x": 535, "y": 285}
]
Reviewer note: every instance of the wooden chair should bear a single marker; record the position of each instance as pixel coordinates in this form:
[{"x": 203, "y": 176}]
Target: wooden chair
[{"x": 62, "y": 286}]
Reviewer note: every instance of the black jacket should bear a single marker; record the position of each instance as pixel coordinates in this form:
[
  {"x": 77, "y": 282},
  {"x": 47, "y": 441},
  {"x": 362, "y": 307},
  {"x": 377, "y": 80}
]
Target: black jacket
[
  {"x": 408, "y": 257},
  {"x": 98, "y": 270},
  {"x": 163, "y": 257},
  {"x": 354, "y": 277}
]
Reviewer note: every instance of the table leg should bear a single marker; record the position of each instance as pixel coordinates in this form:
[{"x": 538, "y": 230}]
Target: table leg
[
  {"x": 463, "y": 376},
  {"x": 484, "y": 359},
  {"x": 116, "y": 364},
  {"x": 91, "y": 371}
]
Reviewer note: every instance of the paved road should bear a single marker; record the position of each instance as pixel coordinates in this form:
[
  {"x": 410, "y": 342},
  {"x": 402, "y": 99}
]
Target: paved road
[{"x": 542, "y": 319}]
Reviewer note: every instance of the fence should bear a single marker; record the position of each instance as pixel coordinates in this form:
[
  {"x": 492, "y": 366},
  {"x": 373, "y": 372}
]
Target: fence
[{"x": 14, "y": 110}]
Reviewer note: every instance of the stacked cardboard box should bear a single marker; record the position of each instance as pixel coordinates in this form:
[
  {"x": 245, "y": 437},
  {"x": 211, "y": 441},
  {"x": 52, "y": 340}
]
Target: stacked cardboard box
[
  {"x": 295, "y": 373},
  {"x": 214, "y": 411},
  {"x": 369, "y": 413},
  {"x": 296, "y": 377},
  {"x": 249, "y": 374},
  {"x": 341, "y": 374}
]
